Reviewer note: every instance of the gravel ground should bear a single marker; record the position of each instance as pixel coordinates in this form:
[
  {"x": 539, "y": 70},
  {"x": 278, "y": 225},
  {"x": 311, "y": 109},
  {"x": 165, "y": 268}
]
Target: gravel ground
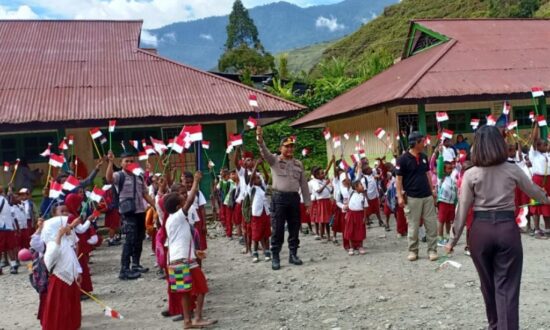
[{"x": 380, "y": 290}]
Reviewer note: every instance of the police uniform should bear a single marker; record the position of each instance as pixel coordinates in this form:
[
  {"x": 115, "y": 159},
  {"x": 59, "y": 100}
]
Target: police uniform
[{"x": 288, "y": 177}]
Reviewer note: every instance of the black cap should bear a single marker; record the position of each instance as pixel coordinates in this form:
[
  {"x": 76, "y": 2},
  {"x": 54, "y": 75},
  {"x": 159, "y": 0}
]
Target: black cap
[
  {"x": 415, "y": 136},
  {"x": 125, "y": 154}
]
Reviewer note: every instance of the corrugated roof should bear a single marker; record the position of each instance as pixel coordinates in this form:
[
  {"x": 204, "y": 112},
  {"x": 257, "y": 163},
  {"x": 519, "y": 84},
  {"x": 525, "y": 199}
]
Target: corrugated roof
[
  {"x": 482, "y": 57},
  {"x": 91, "y": 70}
]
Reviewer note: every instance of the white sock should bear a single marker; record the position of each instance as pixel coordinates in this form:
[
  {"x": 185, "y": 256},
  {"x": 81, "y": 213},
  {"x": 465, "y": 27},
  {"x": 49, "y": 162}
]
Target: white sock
[{"x": 13, "y": 263}]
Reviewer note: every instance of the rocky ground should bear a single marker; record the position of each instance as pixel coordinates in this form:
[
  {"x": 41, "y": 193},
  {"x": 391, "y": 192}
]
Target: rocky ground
[{"x": 381, "y": 290}]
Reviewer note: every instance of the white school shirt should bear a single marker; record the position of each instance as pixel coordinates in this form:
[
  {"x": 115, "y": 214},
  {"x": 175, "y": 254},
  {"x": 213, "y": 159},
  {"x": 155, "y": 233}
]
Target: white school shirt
[
  {"x": 259, "y": 202},
  {"x": 447, "y": 191},
  {"x": 311, "y": 184},
  {"x": 357, "y": 202},
  {"x": 325, "y": 193},
  {"x": 29, "y": 209},
  {"x": 343, "y": 197},
  {"x": 336, "y": 185},
  {"x": 370, "y": 185},
  {"x": 179, "y": 236},
  {"x": 6, "y": 218},
  {"x": 449, "y": 154},
  {"x": 18, "y": 214},
  {"x": 160, "y": 213},
  {"x": 539, "y": 162}
]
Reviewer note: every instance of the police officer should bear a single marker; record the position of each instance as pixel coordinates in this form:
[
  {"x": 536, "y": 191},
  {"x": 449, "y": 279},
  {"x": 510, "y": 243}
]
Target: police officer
[{"x": 288, "y": 177}]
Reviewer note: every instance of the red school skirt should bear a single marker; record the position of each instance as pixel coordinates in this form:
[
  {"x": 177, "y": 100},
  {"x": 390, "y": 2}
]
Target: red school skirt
[
  {"x": 112, "y": 219},
  {"x": 62, "y": 307},
  {"x": 374, "y": 207},
  {"x": 323, "y": 211},
  {"x": 8, "y": 240},
  {"x": 261, "y": 227},
  {"x": 313, "y": 211},
  {"x": 338, "y": 224},
  {"x": 355, "y": 226},
  {"x": 543, "y": 210},
  {"x": 304, "y": 214}
]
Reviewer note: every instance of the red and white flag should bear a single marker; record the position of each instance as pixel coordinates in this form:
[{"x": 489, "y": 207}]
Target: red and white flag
[
  {"x": 205, "y": 144},
  {"x": 63, "y": 145},
  {"x": 447, "y": 134},
  {"x": 336, "y": 142},
  {"x": 95, "y": 133},
  {"x": 491, "y": 120},
  {"x": 6, "y": 166},
  {"x": 143, "y": 143},
  {"x": 71, "y": 183},
  {"x": 112, "y": 124},
  {"x": 346, "y": 136},
  {"x": 112, "y": 313},
  {"x": 178, "y": 144},
  {"x": 521, "y": 218},
  {"x": 474, "y": 122},
  {"x": 305, "y": 152},
  {"x": 541, "y": 121},
  {"x": 326, "y": 134},
  {"x": 56, "y": 189},
  {"x": 211, "y": 164},
  {"x": 149, "y": 150},
  {"x": 506, "y": 107},
  {"x": 251, "y": 123},
  {"x": 158, "y": 145},
  {"x": 229, "y": 148},
  {"x": 379, "y": 133},
  {"x": 47, "y": 152},
  {"x": 363, "y": 141},
  {"x": 357, "y": 146},
  {"x": 187, "y": 142},
  {"x": 428, "y": 140},
  {"x": 236, "y": 140},
  {"x": 512, "y": 125},
  {"x": 355, "y": 158},
  {"x": 253, "y": 100},
  {"x": 135, "y": 169},
  {"x": 135, "y": 144},
  {"x": 537, "y": 92},
  {"x": 56, "y": 160},
  {"x": 532, "y": 116},
  {"x": 441, "y": 116},
  {"x": 195, "y": 132},
  {"x": 71, "y": 140},
  {"x": 142, "y": 155},
  {"x": 97, "y": 194},
  {"x": 103, "y": 139},
  {"x": 356, "y": 136},
  {"x": 362, "y": 153},
  {"x": 343, "y": 165}
]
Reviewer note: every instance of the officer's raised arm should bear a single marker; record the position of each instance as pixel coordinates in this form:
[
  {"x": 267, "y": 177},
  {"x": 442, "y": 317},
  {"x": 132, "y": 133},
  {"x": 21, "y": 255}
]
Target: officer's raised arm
[{"x": 266, "y": 154}]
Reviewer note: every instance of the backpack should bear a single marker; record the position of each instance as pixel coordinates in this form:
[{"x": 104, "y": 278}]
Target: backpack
[
  {"x": 116, "y": 192},
  {"x": 39, "y": 275},
  {"x": 247, "y": 205}
]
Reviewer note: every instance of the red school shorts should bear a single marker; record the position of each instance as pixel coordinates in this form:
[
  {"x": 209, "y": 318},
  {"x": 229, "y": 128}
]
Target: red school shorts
[
  {"x": 445, "y": 212},
  {"x": 237, "y": 216},
  {"x": 8, "y": 240},
  {"x": 543, "y": 210},
  {"x": 199, "y": 286},
  {"x": 374, "y": 207},
  {"x": 261, "y": 227}
]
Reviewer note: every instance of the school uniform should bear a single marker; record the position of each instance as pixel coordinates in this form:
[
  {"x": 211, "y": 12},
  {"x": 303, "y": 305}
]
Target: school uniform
[
  {"x": 341, "y": 199},
  {"x": 323, "y": 210},
  {"x": 18, "y": 214},
  {"x": 112, "y": 216},
  {"x": 521, "y": 198},
  {"x": 200, "y": 226},
  {"x": 313, "y": 208},
  {"x": 355, "y": 231},
  {"x": 228, "y": 211},
  {"x": 29, "y": 208},
  {"x": 8, "y": 238},
  {"x": 371, "y": 187},
  {"x": 304, "y": 213},
  {"x": 447, "y": 195},
  {"x": 260, "y": 224},
  {"x": 541, "y": 177}
]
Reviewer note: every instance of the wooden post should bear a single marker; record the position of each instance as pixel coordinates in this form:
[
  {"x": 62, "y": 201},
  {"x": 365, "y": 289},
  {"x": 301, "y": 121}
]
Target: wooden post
[{"x": 422, "y": 118}]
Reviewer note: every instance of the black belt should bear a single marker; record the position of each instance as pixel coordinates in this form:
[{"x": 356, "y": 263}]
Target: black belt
[
  {"x": 285, "y": 193},
  {"x": 498, "y": 216}
]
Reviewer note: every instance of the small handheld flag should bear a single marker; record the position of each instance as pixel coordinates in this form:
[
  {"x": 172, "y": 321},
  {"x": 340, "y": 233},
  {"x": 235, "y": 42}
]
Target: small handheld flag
[
  {"x": 326, "y": 134},
  {"x": 506, "y": 107},
  {"x": 95, "y": 133},
  {"x": 236, "y": 140},
  {"x": 135, "y": 169},
  {"x": 362, "y": 153},
  {"x": 63, "y": 145},
  {"x": 441, "y": 116},
  {"x": 205, "y": 144},
  {"x": 159, "y": 146},
  {"x": 149, "y": 150},
  {"x": 253, "y": 100},
  {"x": 195, "y": 132},
  {"x": 541, "y": 121},
  {"x": 71, "y": 139},
  {"x": 251, "y": 123},
  {"x": 178, "y": 144},
  {"x": 355, "y": 158},
  {"x": 343, "y": 165},
  {"x": 112, "y": 124},
  {"x": 491, "y": 120},
  {"x": 474, "y": 122},
  {"x": 537, "y": 92},
  {"x": 336, "y": 142},
  {"x": 379, "y": 133},
  {"x": 447, "y": 134},
  {"x": 47, "y": 152},
  {"x": 346, "y": 136},
  {"x": 109, "y": 312},
  {"x": 71, "y": 183},
  {"x": 521, "y": 218},
  {"x": 142, "y": 156},
  {"x": 512, "y": 125},
  {"x": 532, "y": 116},
  {"x": 56, "y": 160},
  {"x": 135, "y": 144},
  {"x": 229, "y": 147},
  {"x": 305, "y": 152},
  {"x": 6, "y": 167},
  {"x": 56, "y": 189}
]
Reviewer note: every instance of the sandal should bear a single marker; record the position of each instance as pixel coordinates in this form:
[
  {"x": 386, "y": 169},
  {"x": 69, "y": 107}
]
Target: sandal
[
  {"x": 350, "y": 252},
  {"x": 362, "y": 251},
  {"x": 317, "y": 237}
]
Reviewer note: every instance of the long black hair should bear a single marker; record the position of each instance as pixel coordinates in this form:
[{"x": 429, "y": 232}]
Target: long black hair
[{"x": 489, "y": 147}]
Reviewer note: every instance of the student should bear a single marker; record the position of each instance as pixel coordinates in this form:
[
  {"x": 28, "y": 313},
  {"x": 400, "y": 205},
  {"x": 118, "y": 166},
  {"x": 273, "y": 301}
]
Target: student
[
  {"x": 223, "y": 187},
  {"x": 538, "y": 155},
  {"x": 112, "y": 216},
  {"x": 370, "y": 185},
  {"x": 313, "y": 207},
  {"x": 29, "y": 209},
  {"x": 8, "y": 237},
  {"x": 18, "y": 214},
  {"x": 390, "y": 200},
  {"x": 179, "y": 231},
  {"x": 342, "y": 201},
  {"x": 447, "y": 193},
  {"x": 260, "y": 223},
  {"x": 356, "y": 231},
  {"x": 199, "y": 205},
  {"x": 322, "y": 190}
]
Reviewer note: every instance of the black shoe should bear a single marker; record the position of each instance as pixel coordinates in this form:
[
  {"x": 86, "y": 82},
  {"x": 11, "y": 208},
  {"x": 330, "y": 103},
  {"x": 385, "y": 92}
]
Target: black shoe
[
  {"x": 140, "y": 269},
  {"x": 13, "y": 270},
  {"x": 165, "y": 313},
  {"x": 113, "y": 243},
  {"x": 84, "y": 297},
  {"x": 178, "y": 318},
  {"x": 129, "y": 275},
  {"x": 275, "y": 263},
  {"x": 293, "y": 259}
]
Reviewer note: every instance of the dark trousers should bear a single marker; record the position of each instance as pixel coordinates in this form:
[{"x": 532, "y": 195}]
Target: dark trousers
[
  {"x": 497, "y": 254},
  {"x": 133, "y": 226},
  {"x": 285, "y": 208}
]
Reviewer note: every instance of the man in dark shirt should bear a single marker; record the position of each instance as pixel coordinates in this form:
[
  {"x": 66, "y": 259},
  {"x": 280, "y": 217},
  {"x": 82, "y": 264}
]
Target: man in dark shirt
[{"x": 415, "y": 193}]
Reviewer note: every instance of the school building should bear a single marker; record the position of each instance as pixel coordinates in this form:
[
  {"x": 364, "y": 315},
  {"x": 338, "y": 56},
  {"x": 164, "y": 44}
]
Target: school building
[
  {"x": 63, "y": 77},
  {"x": 466, "y": 67}
]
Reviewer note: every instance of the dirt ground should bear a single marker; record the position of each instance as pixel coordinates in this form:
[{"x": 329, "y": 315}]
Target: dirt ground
[{"x": 381, "y": 290}]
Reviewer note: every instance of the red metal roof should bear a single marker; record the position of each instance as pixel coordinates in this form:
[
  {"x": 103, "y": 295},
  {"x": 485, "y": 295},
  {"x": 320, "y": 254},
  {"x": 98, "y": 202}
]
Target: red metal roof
[
  {"x": 92, "y": 70},
  {"x": 483, "y": 57}
]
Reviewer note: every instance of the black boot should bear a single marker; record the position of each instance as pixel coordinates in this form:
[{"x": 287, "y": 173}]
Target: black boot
[
  {"x": 293, "y": 259},
  {"x": 275, "y": 262},
  {"x": 129, "y": 275},
  {"x": 140, "y": 269}
]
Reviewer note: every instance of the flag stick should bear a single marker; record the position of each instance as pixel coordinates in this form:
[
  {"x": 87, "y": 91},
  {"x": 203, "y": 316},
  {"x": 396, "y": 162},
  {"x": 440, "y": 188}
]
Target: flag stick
[
  {"x": 110, "y": 140},
  {"x": 75, "y": 166},
  {"x": 223, "y": 162},
  {"x": 16, "y": 167},
  {"x": 99, "y": 302},
  {"x": 198, "y": 145},
  {"x": 49, "y": 173},
  {"x": 49, "y": 206},
  {"x": 102, "y": 149},
  {"x": 158, "y": 163},
  {"x": 167, "y": 160},
  {"x": 96, "y": 148}
]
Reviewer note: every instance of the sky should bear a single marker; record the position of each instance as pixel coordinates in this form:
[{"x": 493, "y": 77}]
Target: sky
[{"x": 155, "y": 13}]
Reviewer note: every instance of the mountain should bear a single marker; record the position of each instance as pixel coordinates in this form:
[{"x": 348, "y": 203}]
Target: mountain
[
  {"x": 305, "y": 58},
  {"x": 282, "y": 26}
]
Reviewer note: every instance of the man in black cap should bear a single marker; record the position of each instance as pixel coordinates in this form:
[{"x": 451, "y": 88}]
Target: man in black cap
[
  {"x": 132, "y": 191},
  {"x": 288, "y": 178},
  {"x": 416, "y": 194}
]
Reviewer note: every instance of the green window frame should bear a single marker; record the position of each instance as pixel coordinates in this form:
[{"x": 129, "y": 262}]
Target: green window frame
[
  {"x": 417, "y": 33},
  {"x": 27, "y": 146},
  {"x": 521, "y": 114},
  {"x": 126, "y": 134},
  {"x": 459, "y": 120}
]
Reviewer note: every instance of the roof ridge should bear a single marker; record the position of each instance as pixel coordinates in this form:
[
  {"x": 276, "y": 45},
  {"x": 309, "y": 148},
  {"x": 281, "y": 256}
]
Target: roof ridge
[
  {"x": 222, "y": 79},
  {"x": 455, "y": 19},
  {"x": 72, "y": 20}
]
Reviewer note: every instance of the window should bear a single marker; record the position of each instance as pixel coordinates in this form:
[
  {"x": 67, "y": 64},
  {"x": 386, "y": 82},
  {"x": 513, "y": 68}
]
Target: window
[
  {"x": 521, "y": 114},
  {"x": 26, "y": 146},
  {"x": 407, "y": 123},
  {"x": 8, "y": 149},
  {"x": 459, "y": 120},
  {"x": 127, "y": 134},
  {"x": 422, "y": 38}
]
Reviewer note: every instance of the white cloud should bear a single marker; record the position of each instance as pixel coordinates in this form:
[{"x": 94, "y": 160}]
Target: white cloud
[
  {"x": 206, "y": 37},
  {"x": 168, "y": 38},
  {"x": 148, "y": 39},
  {"x": 22, "y": 12},
  {"x": 330, "y": 23}
]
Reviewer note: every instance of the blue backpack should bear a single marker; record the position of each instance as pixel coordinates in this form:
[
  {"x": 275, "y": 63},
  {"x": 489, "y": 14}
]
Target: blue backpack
[{"x": 39, "y": 275}]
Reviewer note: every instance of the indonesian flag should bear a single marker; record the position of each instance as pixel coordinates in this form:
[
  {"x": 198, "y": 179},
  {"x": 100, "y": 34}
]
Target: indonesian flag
[
  {"x": 379, "y": 133},
  {"x": 532, "y": 116},
  {"x": 97, "y": 194},
  {"x": 71, "y": 183},
  {"x": 135, "y": 144},
  {"x": 363, "y": 142},
  {"x": 96, "y": 214},
  {"x": 541, "y": 120},
  {"x": 447, "y": 134},
  {"x": 106, "y": 187},
  {"x": 149, "y": 150},
  {"x": 142, "y": 155},
  {"x": 103, "y": 139},
  {"x": 253, "y": 100},
  {"x": 521, "y": 218},
  {"x": 229, "y": 147},
  {"x": 441, "y": 116},
  {"x": 357, "y": 146},
  {"x": 326, "y": 134},
  {"x": 491, "y": 121},
  {"x": 56, "y": 189},
  {"x": 158, "y": 145},
  {"x": 123, "y": 145},
  {"x": 71, "y": 140},
  {"x": 251, "y": 123},
  {"x": 356, "y": 158},
  {"x": 512, "y": 125},
  {"x": 112, "y": 313},
  {"x": 6, "y": 166},
  {"x": 506, "y": 108},
  {"x": 205, "y": 144},
  {"x": 356, "y": 136},
  {"x": 178, "y": 144},
  {"x": 236, "y": 140},
  {"x": 95, "y": 133},
  {"x": 336, "y": 142},
  {"x": 47, "y": 152},
  {"x": 397, "y": 136},
  {"x": 56, "y": 160},
  {"x": 474, "y": 123},
  {"x": 211, "y": 164},
  {"x": 362, "y": 153},
  {"x": 305, "y": 152},
  {"x": 195, "y": 132},
  {"x": 63, "y": 145},
  {"x": 170, "y": 143},
  {"x": 346, "y": 136},
  {"x": 343, "y": 165},
  {"x": 462, "y": 155},
  {"x": 187, "y": 142},
  {"x": 112, "y": 124},
  {"x": 135, "y": 169},
  {"x": 537, "y": 92}
]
